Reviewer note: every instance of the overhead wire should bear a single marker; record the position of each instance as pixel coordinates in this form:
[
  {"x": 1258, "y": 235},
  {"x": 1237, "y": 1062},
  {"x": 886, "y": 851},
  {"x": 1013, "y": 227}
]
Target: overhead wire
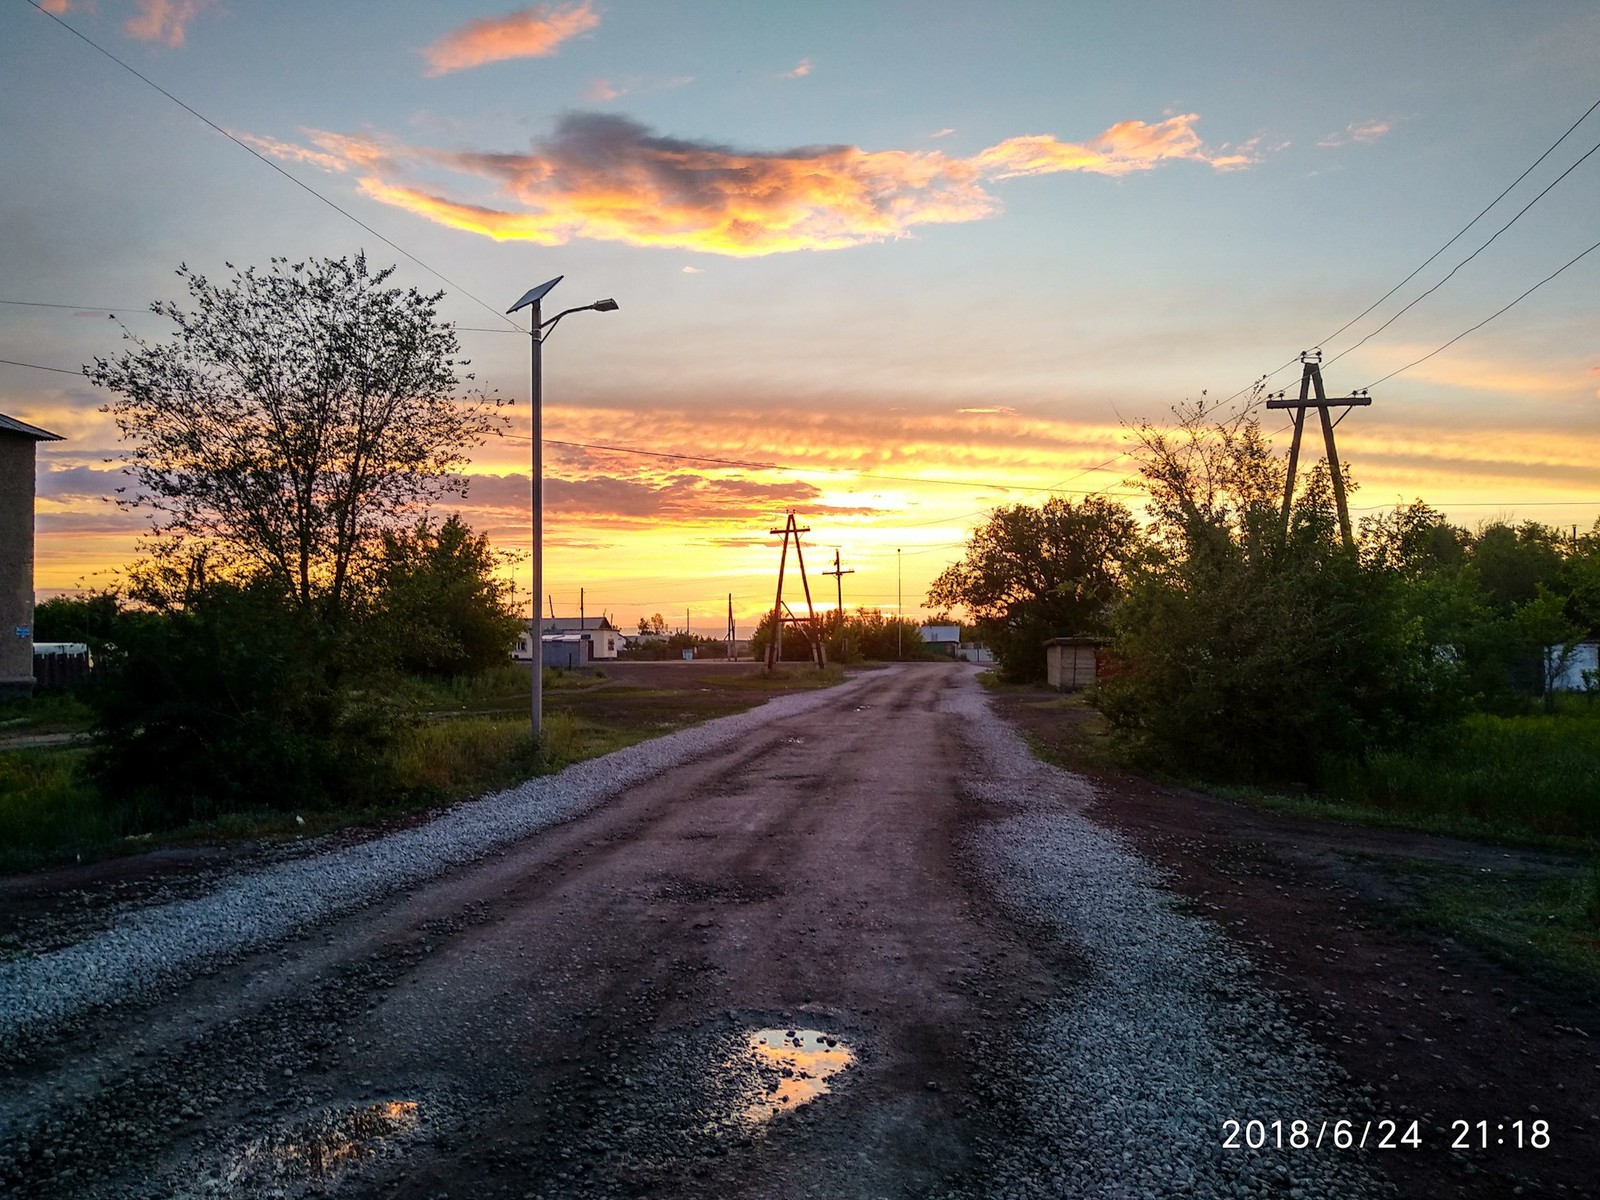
[
  {"x": 1466, "y": 260},
  {"x": 1490, "y": 317},
  {"x": 253, "y": 152},
  {"x": 1460, "y": 233}
]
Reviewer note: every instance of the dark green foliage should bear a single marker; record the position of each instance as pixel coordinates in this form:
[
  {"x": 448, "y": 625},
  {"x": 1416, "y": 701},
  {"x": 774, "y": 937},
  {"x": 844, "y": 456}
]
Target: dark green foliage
[
  {"x": 870, "y": 633},
  {"x": 1248, "y": 651},
  {"x": 439, "y": 605},
  {"x": 239, "y": 699},
  {"x": 1030, "y": 574}
]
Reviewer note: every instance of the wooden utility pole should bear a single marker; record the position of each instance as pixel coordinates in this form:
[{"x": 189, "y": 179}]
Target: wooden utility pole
[
  {"x": 808, "y": 624},
  {"x": 730, "y": 627},
  {"x": 1311, "y": 382},
  {"x": 838, "y": 574}
]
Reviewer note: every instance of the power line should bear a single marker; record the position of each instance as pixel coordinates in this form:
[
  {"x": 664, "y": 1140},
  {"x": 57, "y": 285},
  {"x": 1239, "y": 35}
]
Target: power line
[
  {"x": 1452, "y": 241},
  {"x": 251, "y": 150},
  {"x": 1466, "y": 260},
  {"x": 11, "y": 362},
  {"x": 1490, "y": 317},
  {"x": 87, "y": 308},
  {"x": 1462, "y": 231}
]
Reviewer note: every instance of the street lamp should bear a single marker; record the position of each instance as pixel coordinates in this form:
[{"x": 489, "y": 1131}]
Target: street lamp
[{"x": 539, "y": 330}]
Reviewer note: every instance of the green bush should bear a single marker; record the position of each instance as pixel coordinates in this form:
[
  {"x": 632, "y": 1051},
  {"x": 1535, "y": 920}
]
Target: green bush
[
  {"x": 1537, "y": 773},
  {"x": 240, "y": 701}
]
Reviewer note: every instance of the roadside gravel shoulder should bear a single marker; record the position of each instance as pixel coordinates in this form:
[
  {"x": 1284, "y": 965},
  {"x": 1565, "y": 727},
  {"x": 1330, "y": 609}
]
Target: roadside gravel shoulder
[{"x": 1166, "y": 1036}]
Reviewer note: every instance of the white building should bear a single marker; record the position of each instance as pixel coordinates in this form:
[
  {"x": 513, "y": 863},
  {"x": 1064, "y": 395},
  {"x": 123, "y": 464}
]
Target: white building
[{"x": 601, "y": 639}]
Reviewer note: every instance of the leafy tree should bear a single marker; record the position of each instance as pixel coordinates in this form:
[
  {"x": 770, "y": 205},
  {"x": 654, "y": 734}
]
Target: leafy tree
[
  {"x": 295, "y": 414},
  {"x": 795, "y": 646},
  {"x": 1030, "y": 574},
  {"x": 1254, "y": 649},
  {"x": 443, "y": 610},
  {"x": 93, "y": 619},
  {"x": 653, "y": 626}
]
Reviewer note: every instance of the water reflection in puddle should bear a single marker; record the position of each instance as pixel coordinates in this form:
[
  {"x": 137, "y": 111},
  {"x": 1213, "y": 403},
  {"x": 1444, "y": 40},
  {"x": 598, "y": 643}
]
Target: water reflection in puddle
[
  {"x": 792, "y": 1068},
  {"x": 319, "y": 1147}
]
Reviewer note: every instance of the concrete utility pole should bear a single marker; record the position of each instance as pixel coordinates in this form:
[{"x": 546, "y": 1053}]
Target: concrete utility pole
[
  {"x": 1311, "y": 381},
  {"x": 899, "y": 608},
  {"x": 838, "y": 587}
]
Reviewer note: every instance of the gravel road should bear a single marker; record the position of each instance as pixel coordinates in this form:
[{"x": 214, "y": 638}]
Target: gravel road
[{"x": 855, "y": 943}]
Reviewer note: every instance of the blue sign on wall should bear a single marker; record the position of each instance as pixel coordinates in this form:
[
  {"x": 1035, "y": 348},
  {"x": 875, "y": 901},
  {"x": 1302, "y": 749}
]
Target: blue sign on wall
[{"x": 24, "y": 631}]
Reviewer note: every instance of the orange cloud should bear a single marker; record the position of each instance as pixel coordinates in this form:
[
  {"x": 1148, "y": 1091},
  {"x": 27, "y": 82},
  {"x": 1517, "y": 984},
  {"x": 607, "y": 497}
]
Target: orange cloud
[
  {"x": 608, "y": 178},
  {"x": 289, "y": 152},
  {"x": 164, "y": 20},
  {"x": 800, "y": 71},
  {"x": 1127, "y": 146},
  {"x": 1357, "y": 131},
  {"x": 534, "y": 32},
  {"x": 55, "y": 6},
  {"x": 600, "y": 90}
]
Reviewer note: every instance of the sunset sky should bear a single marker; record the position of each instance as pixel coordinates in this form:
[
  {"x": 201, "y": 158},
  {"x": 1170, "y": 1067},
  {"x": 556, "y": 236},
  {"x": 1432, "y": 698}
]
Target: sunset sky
[{"x": 922, "y": 258}]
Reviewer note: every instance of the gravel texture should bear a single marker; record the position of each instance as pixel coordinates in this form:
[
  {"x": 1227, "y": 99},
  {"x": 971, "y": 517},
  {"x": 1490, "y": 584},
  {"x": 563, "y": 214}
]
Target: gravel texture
[
  {"x": 154, "y": 945},
  {"x": 1132, "y": 1072}
]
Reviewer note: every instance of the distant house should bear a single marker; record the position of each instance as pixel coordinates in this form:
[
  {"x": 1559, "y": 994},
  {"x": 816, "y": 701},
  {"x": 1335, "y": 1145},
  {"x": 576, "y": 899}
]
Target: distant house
[
  {"x": 946, "y": 639},
  {"x": 18, "y": 441},
  {"x": 596, "y": 637}
]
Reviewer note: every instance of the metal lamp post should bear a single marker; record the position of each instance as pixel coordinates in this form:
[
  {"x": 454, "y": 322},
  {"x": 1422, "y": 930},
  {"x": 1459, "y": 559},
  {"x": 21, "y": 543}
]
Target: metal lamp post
[{"x": 534, "y": 298}]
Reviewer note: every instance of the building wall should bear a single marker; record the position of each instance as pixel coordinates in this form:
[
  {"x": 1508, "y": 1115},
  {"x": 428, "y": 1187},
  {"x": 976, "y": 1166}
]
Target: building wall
[{"x": 16, "y": 564}]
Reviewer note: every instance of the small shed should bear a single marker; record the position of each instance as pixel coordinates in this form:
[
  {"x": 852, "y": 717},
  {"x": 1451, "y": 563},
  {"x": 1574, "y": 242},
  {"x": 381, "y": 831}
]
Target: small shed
[{"x": 1073, "y": 663}]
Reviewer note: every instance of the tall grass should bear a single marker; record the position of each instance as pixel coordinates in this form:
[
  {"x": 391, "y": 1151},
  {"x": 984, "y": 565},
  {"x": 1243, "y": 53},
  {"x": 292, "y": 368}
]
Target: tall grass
[
  {"x": 47, "y": 809},
  {"x": 1535, "y": 773}
]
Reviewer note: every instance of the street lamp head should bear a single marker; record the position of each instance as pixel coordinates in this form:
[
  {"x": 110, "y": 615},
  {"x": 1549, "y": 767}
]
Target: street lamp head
[
  {"x": 607, "y": 305},
  {"x": 534, "y": 295}
]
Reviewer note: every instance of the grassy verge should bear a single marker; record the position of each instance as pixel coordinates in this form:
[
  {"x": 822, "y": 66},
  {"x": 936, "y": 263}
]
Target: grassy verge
[
  {"x": 1536, "y": 774},
  {"x": 1518, "y": 781},
  {"x": 1542, "y": 924},
  {"x": 476, "y": 739},
  {"x": 47, "y": 712}
]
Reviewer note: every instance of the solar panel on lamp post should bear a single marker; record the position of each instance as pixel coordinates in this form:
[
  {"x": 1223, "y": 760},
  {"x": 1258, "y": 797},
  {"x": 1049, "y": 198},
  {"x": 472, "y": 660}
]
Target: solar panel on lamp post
[{"x": 538, "y": 331}]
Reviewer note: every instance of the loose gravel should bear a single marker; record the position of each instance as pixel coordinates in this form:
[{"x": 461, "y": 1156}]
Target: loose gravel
[
  {"x": 156, "y": 945},
  {"x": 1130, "y": 1075}
]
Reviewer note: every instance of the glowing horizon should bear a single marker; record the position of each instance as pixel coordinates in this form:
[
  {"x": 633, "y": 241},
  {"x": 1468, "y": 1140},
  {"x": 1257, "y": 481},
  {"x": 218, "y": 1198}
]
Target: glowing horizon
[{"x": 927, "y": 271}]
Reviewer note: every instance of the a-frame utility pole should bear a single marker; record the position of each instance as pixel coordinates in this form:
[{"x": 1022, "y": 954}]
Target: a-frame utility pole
[
  {"x": 808, "y": 624},
  {"x": 838, "y": 574},
  {"x": 1311, "y": 382},
  {"x": 731, "y": 634}
]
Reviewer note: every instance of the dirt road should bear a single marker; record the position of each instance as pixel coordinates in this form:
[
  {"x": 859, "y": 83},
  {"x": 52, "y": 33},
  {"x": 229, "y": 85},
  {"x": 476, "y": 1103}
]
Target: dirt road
[
  {"x": 641, "y": 1001},
  {"x": 558, "y": 1019}
]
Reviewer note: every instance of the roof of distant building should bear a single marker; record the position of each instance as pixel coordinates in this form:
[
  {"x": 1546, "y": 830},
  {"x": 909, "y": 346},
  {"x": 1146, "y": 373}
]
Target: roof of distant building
[
  {"x": 12, "y": 425},
  {"x": 570, "y": 624}
]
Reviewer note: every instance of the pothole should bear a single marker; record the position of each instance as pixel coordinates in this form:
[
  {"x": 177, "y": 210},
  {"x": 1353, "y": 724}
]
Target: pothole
[
  {"x": 785, "y": 1069},
  {"x": 317, "y": 1148}
]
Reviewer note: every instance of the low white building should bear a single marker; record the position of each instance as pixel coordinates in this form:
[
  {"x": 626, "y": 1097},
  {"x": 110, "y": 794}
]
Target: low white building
[{"x": 601, "y": 639}]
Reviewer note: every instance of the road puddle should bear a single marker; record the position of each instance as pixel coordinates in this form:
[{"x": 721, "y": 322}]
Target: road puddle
[
  {"x": 791, "y": 1068},
  {"x": 317, "y": 1148}
]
